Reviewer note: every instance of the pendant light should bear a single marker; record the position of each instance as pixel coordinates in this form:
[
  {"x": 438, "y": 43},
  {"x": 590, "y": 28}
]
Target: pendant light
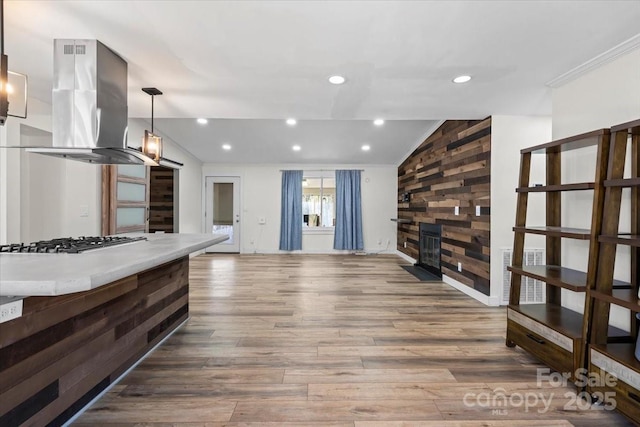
[
  {"x": 152, "y": 144},
  {"x": 13, "y": 86},
  {"x": 4, "y": 70}
]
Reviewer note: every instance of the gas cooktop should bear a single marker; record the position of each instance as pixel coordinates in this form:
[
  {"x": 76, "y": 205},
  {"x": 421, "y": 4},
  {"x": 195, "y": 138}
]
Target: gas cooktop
[{"x": 68, "y": 245}]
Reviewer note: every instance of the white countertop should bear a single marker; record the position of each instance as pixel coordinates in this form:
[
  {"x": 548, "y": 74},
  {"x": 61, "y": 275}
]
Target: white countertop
[{"x": 38, "y": 274}]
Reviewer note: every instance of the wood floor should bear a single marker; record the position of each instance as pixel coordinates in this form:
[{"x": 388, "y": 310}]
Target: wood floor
[{"x": 323, "y": 340}]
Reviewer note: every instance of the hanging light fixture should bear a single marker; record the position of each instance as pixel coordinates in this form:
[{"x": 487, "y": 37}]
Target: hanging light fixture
[
  {"x": 4, "y": 72},
  {"x": 152, "y": 144},
  {"x": 13, "y": 86},
  {"x": 4, "y": 89}
]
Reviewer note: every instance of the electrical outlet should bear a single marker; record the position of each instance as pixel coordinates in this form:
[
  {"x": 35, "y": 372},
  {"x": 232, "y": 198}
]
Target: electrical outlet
[
  {"x": 456, "y": 210},
  {"x": 379, "y": 242},
  {"x": 459, "y": 266},
  {"x": 11, "y": 310},
  {"x": 262, "y": 220},
  {"x": 84, "y": 211},
  {"x": 405, "y": 245},
  {"x": 477, "y": 210}
]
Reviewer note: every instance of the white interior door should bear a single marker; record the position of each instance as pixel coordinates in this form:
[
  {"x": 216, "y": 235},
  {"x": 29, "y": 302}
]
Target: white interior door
[{"x": 222, "y": 213}]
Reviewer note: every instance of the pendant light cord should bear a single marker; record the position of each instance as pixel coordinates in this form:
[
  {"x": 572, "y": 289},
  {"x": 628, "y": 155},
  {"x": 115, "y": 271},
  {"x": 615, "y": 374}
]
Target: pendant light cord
[
  {"x": 1, "y": 27},
  {"x": 152, "y": 92}
]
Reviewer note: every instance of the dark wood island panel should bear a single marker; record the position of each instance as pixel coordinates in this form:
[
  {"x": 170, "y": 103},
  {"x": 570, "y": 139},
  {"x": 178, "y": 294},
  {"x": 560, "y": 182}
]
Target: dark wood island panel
[{"x": 65, "y": 350}]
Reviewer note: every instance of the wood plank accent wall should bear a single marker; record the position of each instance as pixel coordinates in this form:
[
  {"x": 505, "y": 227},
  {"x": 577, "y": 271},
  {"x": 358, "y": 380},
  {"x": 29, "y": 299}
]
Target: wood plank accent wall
[
  {"x": 452, "y": 167},
  {"x": 65, "y": 350},
  {"x": 161, "y": 200}
]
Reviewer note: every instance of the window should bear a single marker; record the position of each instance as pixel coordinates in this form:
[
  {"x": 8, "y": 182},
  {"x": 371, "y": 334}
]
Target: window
[{"x": 318, "y": 200}]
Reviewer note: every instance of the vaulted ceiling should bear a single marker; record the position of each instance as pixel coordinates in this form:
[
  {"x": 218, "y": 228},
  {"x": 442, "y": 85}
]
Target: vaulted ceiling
[{"x": 249, "y": 65}]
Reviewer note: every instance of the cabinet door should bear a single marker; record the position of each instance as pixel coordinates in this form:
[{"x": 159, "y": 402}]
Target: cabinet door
[{"x": 125, "y": 199}]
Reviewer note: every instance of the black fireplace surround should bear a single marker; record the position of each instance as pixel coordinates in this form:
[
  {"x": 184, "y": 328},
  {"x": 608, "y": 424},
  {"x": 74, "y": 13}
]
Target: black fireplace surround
[{"x": 429, "y": 250}]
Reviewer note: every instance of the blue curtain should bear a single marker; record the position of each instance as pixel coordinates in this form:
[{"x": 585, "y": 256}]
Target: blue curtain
[
  {"x": 348, "y": 232},
  {"x": 291, "y": 211}
]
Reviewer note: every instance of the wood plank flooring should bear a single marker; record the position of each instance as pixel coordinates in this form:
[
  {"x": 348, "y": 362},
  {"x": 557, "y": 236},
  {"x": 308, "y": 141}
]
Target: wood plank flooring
[{"x": 335, "y": 340}]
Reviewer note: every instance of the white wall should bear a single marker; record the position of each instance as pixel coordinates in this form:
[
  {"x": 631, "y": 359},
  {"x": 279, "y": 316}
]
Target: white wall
[
  {"x": 43, "y": 197},
  {"x": 189, "y": 177},
  {"x": 39, "y": 198},
  {"x": 605, "y": 97},
  {"x": 509, "y": 134},
  {"x": 260, "y": 190},
  {"x": 48, "y": 191}
]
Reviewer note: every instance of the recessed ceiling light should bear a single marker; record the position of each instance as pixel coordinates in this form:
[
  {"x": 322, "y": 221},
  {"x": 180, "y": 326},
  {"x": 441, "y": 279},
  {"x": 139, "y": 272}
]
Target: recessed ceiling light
[
  {"x": 378, "y": 122},
  {"x": 296, "y": 148},
  {"x": 366, "y": 148},
  {"x": 462, "y": 79},
  {"x": 226, "y": 147},
  {"x": 202, "y": 121},
  {"x": 336, "y": 80},
  {"x": 292, "y": 122}
]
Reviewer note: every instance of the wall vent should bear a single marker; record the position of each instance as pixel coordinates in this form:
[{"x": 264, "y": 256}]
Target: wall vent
[
  {"x": 532, "y": 291},
  {"x": 81, "y": 49},
  {"x": 68, "y": 49}
]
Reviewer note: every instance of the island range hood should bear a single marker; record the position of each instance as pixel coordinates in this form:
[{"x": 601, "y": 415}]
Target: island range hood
[{"x": 90, "y": 105}]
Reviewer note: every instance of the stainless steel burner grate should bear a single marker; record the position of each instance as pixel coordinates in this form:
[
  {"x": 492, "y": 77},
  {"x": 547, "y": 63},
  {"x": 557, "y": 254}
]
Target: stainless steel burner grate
[{"x": 68, "y": 245}]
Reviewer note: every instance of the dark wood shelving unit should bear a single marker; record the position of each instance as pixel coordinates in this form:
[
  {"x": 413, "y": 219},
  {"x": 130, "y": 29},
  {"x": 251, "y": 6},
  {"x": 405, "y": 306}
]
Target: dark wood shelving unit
[
  {"x": 555, "y": 275},
  {"x": 617, "y": 359},
  {"x": 553, "y": 231},
  {"x": 583, "y": 140},
  {"x": 622, "y": 239},
  {"x": 563, "y": 277},
  {"x": 563, "y": 320},
  {"x": 621, "y": 352},
  {"x": 549, "y": 331},
  {"x": 556, "y": 317},
  {"x": 561, "y": 187},
  {"x": 605, "y": 357},
  {"x": 627, "y": 298},
  {"x": 622, "y": 182}
]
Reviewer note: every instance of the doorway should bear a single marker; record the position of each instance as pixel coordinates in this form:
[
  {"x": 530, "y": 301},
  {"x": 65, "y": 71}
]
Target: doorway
[
  {"x": 162, "y": 206},
  {"x": 222, "y": 212},
  {"x": 137, "y": 198}
]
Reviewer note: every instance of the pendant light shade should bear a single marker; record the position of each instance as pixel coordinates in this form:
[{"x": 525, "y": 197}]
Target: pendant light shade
[
  {"x": 13, "y": 86},
  {"x": 151, "y": 143},
  {"x": 4, "y": 88},
  {"x": 152, "y": 146}
]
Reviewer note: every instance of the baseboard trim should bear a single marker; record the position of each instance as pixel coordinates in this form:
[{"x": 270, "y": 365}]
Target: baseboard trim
[
  {"x": 479, "y": 296},
  {"x": 405, "y": 257},
  {"x": 317, "y": 252}
]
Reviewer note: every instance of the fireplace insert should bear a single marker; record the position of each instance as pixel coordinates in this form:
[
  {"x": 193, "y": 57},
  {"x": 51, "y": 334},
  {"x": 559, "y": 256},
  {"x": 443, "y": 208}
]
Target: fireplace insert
[{"x": 429, "y": 250}]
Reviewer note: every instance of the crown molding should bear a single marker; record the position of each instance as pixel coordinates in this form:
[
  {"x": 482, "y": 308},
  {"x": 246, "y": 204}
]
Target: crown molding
[{"x": 600, "y": 60}]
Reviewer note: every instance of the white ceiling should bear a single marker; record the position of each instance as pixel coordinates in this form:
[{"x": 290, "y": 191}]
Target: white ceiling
[
  {"x": 320, "y": 141},
  {"x": 260, "y": 60}
]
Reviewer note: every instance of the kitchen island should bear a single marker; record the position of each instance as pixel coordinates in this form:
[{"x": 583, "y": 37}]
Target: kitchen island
[{"x": 86, "y": 319}]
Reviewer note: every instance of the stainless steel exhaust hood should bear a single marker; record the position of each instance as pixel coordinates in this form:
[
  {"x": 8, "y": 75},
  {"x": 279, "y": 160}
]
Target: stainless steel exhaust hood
[{"x": 90, "y": 105}]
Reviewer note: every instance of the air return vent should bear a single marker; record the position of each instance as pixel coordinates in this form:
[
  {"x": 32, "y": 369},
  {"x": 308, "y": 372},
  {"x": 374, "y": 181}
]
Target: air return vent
[
  {"x": 532, "y": 291},
  {"x": 81, "y": 49},
  {"x": 68, "y": 49}
]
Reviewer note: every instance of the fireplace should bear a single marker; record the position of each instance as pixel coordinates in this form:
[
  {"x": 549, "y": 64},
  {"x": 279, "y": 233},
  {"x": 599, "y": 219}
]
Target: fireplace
[{"x": 429, "y": 255}]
